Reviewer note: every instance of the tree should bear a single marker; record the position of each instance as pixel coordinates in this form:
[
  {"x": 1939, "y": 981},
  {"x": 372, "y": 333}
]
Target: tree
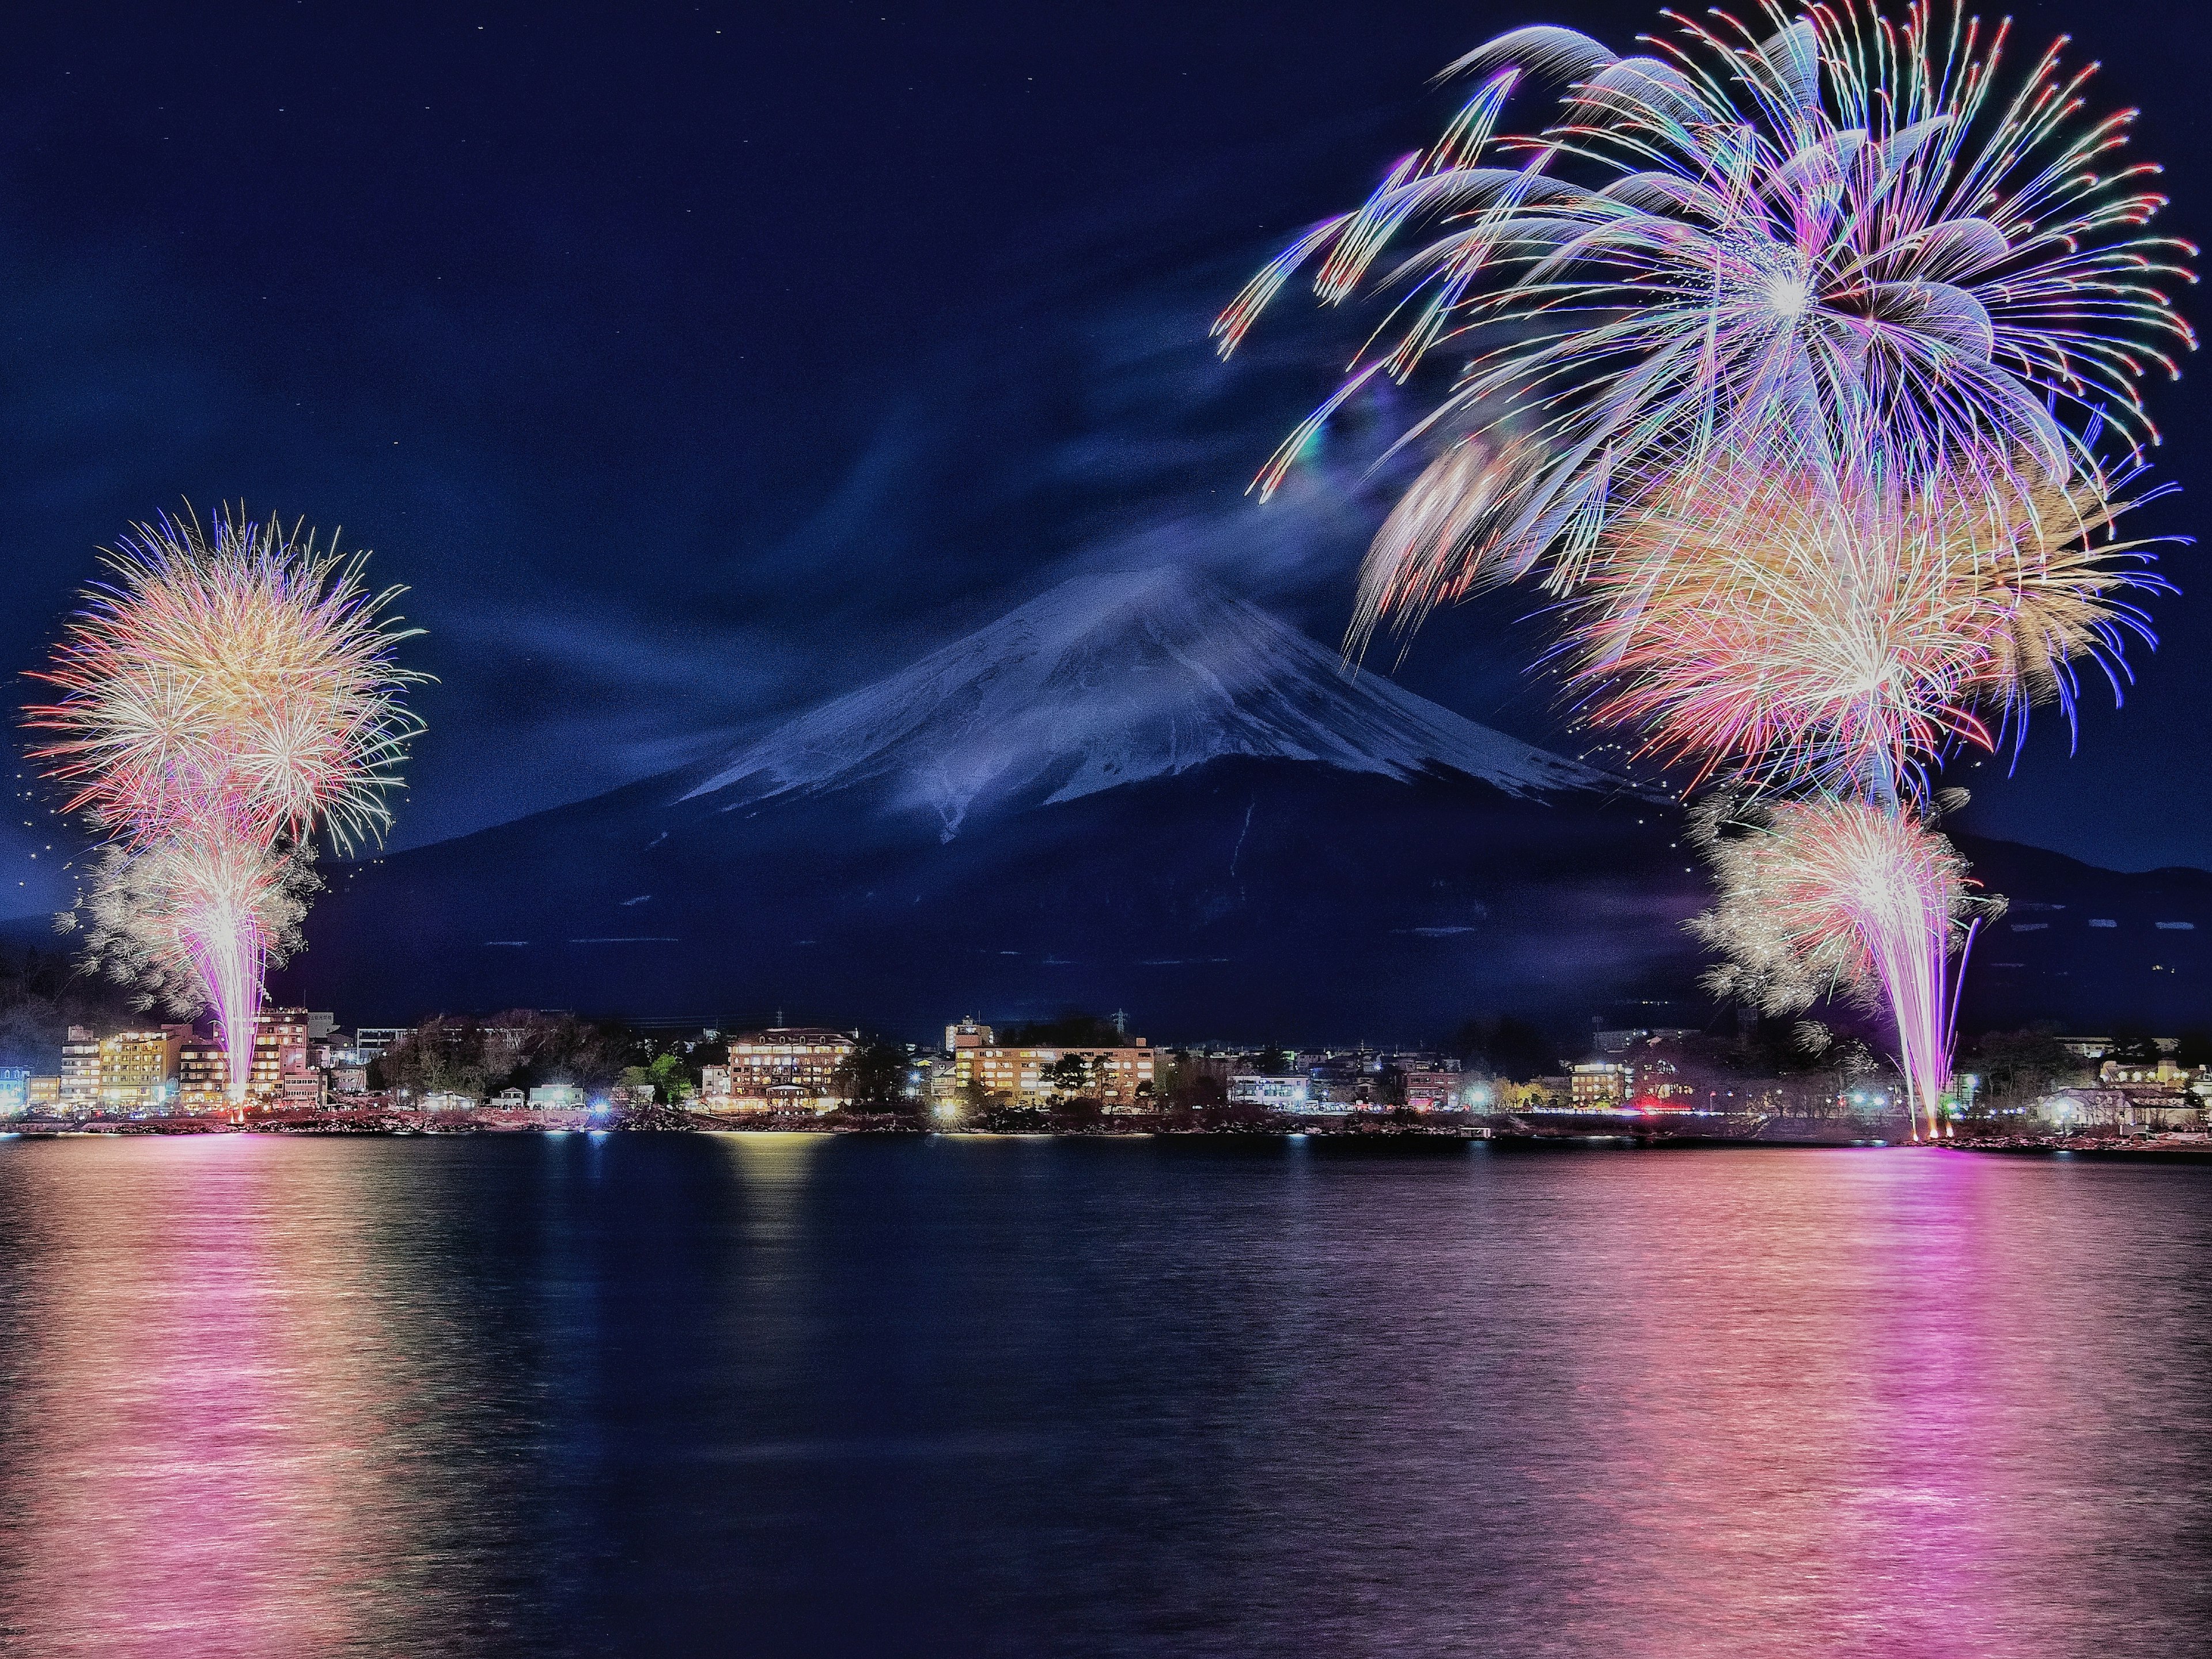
[
  {"x": 2017, "y": 1067},
  {"x": 1506, "y": 1047},
  {"x": 1070, "y": 1073},
  {"x": 667, "y": 1076},
  {"x": 874, "y": 1075}
]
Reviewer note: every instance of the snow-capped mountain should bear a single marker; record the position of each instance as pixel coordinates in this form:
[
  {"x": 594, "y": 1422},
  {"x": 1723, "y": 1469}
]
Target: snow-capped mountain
[
  {"x": 1109, "y": 680},
  {"x": 1139, "y": 793},
  {"x": 1135, "y": 790}
]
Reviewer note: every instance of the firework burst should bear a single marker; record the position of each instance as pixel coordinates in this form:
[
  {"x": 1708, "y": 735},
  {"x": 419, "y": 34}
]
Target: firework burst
[
  {"x": 1782, "y": 352},
  {"x": 224, "y": 699},
  {"x": 1836, "y": 896},
  {"x": 1825, "y": 235},
  {"x": 1849, "y": 632}
]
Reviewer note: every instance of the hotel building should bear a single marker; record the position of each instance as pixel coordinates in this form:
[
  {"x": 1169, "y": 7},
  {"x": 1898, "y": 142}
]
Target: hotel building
[
  {"x": 139, "y": 1069},
  {"x": 785, "y": 1068}
]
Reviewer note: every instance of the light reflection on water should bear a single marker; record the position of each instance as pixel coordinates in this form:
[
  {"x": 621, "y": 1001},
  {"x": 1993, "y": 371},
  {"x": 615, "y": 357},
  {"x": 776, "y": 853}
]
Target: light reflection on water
[{"x": 781, "y": 1394}]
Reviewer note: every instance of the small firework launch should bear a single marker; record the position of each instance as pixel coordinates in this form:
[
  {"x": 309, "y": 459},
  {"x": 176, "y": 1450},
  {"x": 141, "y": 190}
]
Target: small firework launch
[{"x": 226, "y": 695}]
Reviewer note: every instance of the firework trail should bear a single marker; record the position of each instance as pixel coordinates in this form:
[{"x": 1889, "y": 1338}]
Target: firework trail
[
  {"x": 223, "y": 700},
  {"x": 1783, "y": 355},
  {"x": 1836, "y": 896}
]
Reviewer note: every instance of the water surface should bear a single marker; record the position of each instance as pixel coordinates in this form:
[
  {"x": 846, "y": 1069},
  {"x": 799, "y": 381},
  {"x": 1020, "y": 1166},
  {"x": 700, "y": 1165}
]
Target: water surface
[{"x": 790, "y": 1394}]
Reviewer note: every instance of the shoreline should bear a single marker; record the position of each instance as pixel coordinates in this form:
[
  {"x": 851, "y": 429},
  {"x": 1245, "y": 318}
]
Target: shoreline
[{"x": 1610, "y": 1135}]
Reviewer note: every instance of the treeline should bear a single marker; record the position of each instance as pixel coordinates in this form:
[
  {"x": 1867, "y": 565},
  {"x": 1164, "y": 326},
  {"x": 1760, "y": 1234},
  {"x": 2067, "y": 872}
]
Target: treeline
[
  {"x": 523, "y": 1048},
  {"x": 42, "y": 994}
]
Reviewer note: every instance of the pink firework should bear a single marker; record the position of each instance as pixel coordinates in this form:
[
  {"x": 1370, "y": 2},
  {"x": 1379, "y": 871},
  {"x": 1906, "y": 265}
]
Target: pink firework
[
  {"x": 1835, "y": 897},
  {"x": 224, "y": 699}
]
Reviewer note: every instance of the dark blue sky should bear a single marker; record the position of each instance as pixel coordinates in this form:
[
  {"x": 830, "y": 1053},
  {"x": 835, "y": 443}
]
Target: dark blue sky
[{"x": 690, "y": 363}]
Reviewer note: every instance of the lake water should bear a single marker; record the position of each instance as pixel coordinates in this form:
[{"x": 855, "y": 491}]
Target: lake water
[{"x": 666, "y": 1395}]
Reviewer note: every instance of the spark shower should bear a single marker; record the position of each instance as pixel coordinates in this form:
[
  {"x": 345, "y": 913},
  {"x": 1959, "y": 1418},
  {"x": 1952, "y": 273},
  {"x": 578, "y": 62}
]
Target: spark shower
[
  {"x": 224, "y": 699},
  {"x": 1798, "y": 363}
]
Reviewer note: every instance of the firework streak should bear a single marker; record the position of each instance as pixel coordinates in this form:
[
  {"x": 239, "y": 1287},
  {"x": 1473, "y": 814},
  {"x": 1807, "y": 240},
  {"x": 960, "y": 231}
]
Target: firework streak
[
  {"x": 1782, "y": 354},
  {"x": 223, "y": 700}
]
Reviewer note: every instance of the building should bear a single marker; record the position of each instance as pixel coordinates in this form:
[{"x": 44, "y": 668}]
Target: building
[
  {"x": 1597, "y": 1086},
  {"x": 139, "y": 1069},
  {"x": 303, "y": 1090},
  {"x": 203, "y": 1076},
  {"x": 2162, "y": 1073},
  {"x": 371, "y": 1041},
  {"x": 280, "y": 1055},
  {"x": 80, "y": 1069},
  {"x": 556, "y": 1097},
  {"x": 2084, "y": 1109},
  {"x": 1120, "y": 1077},
  {"x": 509, "y": 1100},
  {"x": 1436, "y": 1088},
  {"x": 784, "y": 1068},
  {"x": 15, "y": 1090},
  {"x": 969, "y": 1034},
  {"x": 42, "y": 1094},
  {"x": 346, "y": 1080},
  {"x": 1274, "y": 1094},
  {"x": 447, "y": 1101}
]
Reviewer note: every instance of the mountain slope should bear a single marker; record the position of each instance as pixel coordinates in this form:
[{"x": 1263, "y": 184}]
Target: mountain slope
[
  {"x": 1107, "y": 681},
  {"x": 1140, "y": 793},
  {"x": 1135, "y": 790}
]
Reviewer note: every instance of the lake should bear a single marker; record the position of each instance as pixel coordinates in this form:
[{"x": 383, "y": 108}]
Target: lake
[{"x": 771, "y": 1394}]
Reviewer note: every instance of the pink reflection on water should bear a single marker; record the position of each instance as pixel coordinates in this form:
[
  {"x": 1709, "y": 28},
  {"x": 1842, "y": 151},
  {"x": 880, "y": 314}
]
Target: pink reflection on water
[
  {"x": 1833, "y": 1424},
  {"x": 197, "y": 1437}
]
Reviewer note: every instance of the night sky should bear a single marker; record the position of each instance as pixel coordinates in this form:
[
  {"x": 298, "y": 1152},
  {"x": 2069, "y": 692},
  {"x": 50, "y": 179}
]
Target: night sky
[{"x": 692, "y": 363}]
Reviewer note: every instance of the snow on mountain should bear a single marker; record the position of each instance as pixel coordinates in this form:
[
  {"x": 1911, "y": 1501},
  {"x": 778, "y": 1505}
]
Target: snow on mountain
[{"x": 1112, "y": 679}]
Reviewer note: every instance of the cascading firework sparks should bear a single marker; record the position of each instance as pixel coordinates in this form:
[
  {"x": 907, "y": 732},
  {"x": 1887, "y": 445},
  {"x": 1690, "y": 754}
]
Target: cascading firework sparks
[
  {"x": 1783, "y": 353},
  {"x": 224, "y": 699},
  {"x": 1836, "y": 897}
]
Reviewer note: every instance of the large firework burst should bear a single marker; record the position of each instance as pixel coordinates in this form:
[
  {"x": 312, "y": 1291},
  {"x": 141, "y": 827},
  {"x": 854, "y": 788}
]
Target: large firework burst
[
  {"x": 1847, "y": 632},
  {"x": 224, "y": 698},
  {"x": 1829, "y": 236}
]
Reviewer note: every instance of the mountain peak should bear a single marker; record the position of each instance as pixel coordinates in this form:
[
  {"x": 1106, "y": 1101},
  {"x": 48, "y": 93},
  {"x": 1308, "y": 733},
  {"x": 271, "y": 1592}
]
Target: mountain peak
[{"x": 1111, "y": 679}]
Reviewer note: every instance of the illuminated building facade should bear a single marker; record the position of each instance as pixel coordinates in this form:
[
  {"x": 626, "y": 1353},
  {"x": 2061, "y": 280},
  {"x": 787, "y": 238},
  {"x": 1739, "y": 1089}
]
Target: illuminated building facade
[
  {"x": 281, "y": 1071},
  {"x": 203, "y": 1076},
  {"x": 80, "y": 1069},
  {"x": 1597, "y": 1086},
  {"x": 1275, "y": 1094},
  {"x": 138, "y": 1070},
  {"x": 1119, "y": 1077},
  {"x": 784, "y": 1068},
  {"x": 1436, "y": 1088},
  {"x": 371, "y": 1041}
]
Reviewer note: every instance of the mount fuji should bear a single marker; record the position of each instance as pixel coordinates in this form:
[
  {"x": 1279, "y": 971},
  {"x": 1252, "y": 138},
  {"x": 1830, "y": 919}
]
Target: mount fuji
[
  {"x": 1134, "y": 791},
  {"x": 1107, "y": 681}
]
